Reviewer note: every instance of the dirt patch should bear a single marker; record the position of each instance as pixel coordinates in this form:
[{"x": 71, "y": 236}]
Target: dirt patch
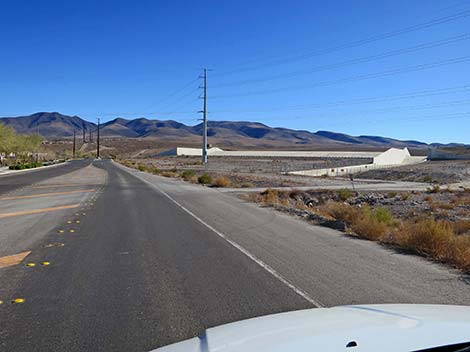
[{"x": 440, "y": 172}]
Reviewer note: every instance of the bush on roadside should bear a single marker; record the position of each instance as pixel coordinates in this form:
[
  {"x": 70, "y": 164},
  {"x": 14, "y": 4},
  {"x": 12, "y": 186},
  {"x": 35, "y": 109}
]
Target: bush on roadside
[
  {"x": 247, "y": 185},
  {"x": 222, "y": 181},
  {"x": 142, "y": 167},
  {"x": 344, "y": 194},
  {"x": 187, "y": 174},
  {"x": 270, "y": 196},
  {"x": 204, "y": 179},
  {"x": 169, "y": 174},
  {"x": 31, "y": 165},
  {"x": 154, "y": 170}
]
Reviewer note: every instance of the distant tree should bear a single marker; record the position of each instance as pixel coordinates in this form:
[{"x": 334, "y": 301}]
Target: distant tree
[{"x": 23, "y": 146}]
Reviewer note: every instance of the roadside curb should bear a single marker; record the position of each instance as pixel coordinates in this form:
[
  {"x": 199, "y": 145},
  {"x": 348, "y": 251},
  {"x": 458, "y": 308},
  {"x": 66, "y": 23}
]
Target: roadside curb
[{"x": 12, "y": 172}]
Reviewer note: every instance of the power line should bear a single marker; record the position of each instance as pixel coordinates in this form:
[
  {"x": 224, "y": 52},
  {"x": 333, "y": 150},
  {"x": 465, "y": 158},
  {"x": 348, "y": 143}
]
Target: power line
[
  {"x": 377, "y": 99},
  {"x": 174, "y": 93},
  {"x": 361, "y": 60},
  {"x": 431, "y": 23},
  {"x": 391, "y": 72}
]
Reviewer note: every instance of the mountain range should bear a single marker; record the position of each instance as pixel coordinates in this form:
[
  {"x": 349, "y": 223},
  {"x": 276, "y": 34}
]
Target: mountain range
[{"x": 53, "y": 125}]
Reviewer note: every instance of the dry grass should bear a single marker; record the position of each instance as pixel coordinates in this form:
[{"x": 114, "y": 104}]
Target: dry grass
[
  {"x": 442, "y": 241},
  {"x": 169, "y": 174},
  {"x": 187, "y": 175},
  {"x": 461, "y": 227},
  {"x": 222, "y": 181}
]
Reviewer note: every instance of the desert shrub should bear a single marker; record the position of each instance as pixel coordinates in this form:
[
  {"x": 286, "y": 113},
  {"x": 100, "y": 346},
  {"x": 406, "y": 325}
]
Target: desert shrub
[
  {"x": 205, "y": 179},
  {"x": 154, "y": 170},
  {"x": 247, "y": 185},
  {"x": 383, "y": 215},
  {"x": 222, "y": 181},
  {"x": 369, "y": 227},
  {"x": 428, "y": 199},
  {"x": 372, "y": 224},
  {"x": 342, "y": 212},
  {"x": 391, "y": 194},
  {"x": 169, "y": 174},
  {"x": 270, "y": 196},
  {"x": 429, "y": 237},
  {"x": 405, "y": 196},
  {"x": 187, "y": 174},
  {"x": 142, "y": 167},
  {"x": 344, "y": 194}
]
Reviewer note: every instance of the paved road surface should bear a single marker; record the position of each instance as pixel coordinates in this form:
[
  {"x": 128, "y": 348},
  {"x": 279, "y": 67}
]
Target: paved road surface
[
  {"x": 153, "y": 261},
  {"x": 11, "y": 182}
]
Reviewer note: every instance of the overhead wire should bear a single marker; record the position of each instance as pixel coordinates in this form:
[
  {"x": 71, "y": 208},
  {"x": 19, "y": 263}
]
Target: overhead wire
[
  {"x": 381, "y": 74},
  {"x": 427, "y": 24},
  {"x": 377, "y": 99},
  {"x": 361, "y": 60}
]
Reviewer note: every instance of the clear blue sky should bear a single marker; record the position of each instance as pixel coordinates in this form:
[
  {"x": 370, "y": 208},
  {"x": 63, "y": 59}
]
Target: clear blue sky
[{"x": 271, "y": 63}]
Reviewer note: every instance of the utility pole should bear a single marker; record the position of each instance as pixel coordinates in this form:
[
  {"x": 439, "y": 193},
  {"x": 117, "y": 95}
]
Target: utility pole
[
  {"x": 73, "y": 148},
  {"x": 89, "y": 136},
  {"x": 204, "y": 120},
  {"x": 83, "y": 131},
  {"x": 37, "y": 134},
  {"x": 98, "y": 140}
]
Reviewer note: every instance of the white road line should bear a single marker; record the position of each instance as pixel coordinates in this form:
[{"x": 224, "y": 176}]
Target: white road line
[{"x": 258, "y": 261}]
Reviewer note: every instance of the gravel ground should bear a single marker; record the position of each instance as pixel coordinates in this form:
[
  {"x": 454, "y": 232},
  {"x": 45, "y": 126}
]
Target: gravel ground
[{"x": 441, "y": 172}]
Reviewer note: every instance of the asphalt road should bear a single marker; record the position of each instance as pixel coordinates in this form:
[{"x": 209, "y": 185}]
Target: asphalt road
[
  {"x": 153, "y": 261},
  {"x": 10, "y": 182}
]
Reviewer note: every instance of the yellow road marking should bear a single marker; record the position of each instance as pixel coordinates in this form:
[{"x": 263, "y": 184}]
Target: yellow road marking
[
  {"x": 13, "y": 259},
  {"x": 37, "y": 211},
  {"x": 48, "y": 194},
  {"x": 55, "y": 186},
  {"x": 18, "y": 300}
]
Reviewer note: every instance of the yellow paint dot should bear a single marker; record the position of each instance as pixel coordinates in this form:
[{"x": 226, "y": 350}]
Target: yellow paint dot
[
  {"x": 18, "y": 301},
  {"x": 72, "y": 230},
  {"x": 60, "y": 231},
  {"x": 69, "y": 222},
  {"x": 31, "y": 264},
  {"x": 45, "y": 263},
  {"x": 1, "y": 302},
  {"x": 78, "y": 221}
]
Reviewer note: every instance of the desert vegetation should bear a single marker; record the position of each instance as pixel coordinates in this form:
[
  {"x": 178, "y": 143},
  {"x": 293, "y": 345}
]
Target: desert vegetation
[
  {"x": 20, "y": 146},
  {"x": 446, "y": 240}
]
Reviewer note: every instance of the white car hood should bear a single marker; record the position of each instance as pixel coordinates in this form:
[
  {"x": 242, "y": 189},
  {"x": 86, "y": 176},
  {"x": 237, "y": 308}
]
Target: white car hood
[{"x": 388, "y": 327}]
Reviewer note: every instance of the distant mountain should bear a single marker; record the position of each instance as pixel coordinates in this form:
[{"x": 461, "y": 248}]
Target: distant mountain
[
  {"x": 48, "y": 124},
  {"x": 54, "y": 125}
]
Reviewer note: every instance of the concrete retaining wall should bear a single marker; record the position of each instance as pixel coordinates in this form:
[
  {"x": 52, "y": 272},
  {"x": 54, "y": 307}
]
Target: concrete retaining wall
[
  {"x": 269, "y": 153},
  {"x": 388, "y": 159}
]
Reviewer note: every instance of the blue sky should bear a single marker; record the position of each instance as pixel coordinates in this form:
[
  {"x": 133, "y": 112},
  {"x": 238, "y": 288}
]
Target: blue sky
[{"x": 299, "y": 64}]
